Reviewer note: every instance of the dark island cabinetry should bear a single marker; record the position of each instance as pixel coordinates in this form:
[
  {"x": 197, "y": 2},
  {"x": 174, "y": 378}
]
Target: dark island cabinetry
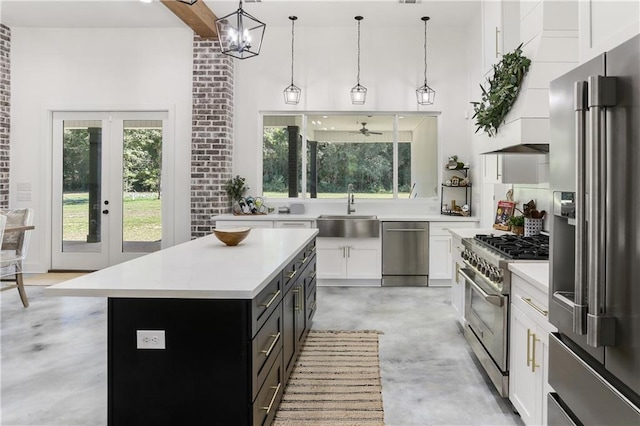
[{"x": 225, "y": 361}]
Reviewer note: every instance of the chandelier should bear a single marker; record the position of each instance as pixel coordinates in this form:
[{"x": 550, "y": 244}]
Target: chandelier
[{"x": 240, "y": 34}]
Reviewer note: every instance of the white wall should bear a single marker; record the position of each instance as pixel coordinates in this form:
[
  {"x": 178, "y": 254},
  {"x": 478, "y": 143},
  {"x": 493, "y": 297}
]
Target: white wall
[
  {"x": 325, "y": 69},
  {"x": 94, "y": 69}
]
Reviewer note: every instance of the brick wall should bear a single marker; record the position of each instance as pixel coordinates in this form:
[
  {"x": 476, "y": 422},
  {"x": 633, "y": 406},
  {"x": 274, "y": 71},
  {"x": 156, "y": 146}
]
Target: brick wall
[
  {"x": 212, "y": 134},
  {"x": 5, "y": 112}
]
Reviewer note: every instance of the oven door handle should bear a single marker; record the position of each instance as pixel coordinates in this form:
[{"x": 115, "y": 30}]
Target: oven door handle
[{"x": 497, "y": 300}]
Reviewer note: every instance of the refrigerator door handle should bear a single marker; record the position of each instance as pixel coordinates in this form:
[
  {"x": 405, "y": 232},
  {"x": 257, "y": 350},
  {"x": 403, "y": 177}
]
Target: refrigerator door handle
[
  {"x": 580, "y": 296},
  {"x": 600, "y": 326}
]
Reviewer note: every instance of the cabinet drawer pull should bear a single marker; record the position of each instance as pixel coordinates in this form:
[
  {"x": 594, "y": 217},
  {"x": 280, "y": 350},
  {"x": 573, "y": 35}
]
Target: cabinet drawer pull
[
  {"x": 276, "y": 337},
  {"x": 273, "y": 298},
  {"x": 303, "y": 261},
  {"x": 534, "y": 339},
  {"x": 273, "y": 398},
  {"x": 313, "y": 274},
  {"x": 296, "y": 291},
  {"x": 529, "y": 302},
  {"x": 313, "y": 249},
  {"x": 528, "y": 347},
  {"x": 292, "y": 274}
]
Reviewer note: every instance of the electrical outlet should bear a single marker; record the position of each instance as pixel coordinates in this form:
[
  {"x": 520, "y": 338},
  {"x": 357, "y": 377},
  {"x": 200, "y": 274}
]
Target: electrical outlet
[{"x": 150, "y": 339}]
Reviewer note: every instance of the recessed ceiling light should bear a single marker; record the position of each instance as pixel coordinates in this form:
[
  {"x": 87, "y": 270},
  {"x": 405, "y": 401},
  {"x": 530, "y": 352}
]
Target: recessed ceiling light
[
  {"x": 313, "y": 122},
  {"x": 400, "y": 117},
  {"x": 325, "y": 116}
]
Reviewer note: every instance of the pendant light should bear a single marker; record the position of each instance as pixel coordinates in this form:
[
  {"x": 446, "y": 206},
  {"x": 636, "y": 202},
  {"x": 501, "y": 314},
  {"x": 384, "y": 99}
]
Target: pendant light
[
  {"x": 425, "y": 94},
  {"x": 189, "y": 2},
  {"x": 292, "y": 93},
  {"x": 240, "y": 34},
  {"x": 358, "y": 93}
]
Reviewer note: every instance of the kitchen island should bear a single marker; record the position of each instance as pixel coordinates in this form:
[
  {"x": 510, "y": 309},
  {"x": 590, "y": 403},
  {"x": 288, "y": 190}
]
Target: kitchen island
[{"x": 204, "y": 333}]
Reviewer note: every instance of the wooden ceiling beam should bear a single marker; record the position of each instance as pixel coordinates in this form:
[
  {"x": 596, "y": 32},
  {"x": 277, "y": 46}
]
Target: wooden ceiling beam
[{"x": 198, "y": 17}]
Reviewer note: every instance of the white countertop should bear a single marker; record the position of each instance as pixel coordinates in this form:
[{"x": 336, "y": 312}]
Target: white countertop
[
  {"x": 204, "y": 268},
  {"x": 381, "y": 217},
  {"x": 537, "y": 273}
]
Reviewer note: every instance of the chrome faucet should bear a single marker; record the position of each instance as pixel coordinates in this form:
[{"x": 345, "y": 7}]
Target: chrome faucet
[{"x": 350, "y": 199}]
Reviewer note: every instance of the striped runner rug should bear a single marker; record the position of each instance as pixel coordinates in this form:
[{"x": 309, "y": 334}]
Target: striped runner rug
[{"x": 336, "y": 381}]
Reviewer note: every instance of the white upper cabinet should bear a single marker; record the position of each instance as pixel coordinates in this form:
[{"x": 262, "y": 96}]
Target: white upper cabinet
[
  {"x": 500, "y": 30},
  {"x": 491, "y": 33},
  {"x": 606, "y": 24}
]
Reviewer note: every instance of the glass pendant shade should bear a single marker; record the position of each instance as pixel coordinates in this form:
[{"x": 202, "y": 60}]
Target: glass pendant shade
[
  {"x": 425, "y": 94},
  {"x": 292, "y": 94},
  {"x": 240, "y": 34},
  {"x": 358, "y": 95}
]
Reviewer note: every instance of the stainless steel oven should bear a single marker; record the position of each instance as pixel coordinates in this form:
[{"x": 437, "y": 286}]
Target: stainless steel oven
[
  {"x": 487, "y": 289},
  {"x": 487, "y": 316}
]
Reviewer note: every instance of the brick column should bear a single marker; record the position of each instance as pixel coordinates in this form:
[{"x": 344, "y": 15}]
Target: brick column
[
  {"x": 5, "y": 112},
  {"x": 212, "y": 134}
]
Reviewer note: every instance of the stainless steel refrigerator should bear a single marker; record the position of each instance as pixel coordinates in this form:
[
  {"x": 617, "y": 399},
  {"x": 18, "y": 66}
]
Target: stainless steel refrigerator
[{"x": 594, "y": 294}]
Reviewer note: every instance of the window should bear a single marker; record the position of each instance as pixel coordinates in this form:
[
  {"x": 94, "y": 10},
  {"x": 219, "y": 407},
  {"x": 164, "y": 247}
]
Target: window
[{"x": 343, "y": 149}]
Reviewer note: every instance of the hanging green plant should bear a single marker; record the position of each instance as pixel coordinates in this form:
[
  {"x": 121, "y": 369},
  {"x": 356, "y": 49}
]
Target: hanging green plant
[{"x": 503, "y": 89}]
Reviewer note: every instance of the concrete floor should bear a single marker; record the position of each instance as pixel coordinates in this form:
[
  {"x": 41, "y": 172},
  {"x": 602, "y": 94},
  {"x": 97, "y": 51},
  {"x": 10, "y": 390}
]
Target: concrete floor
[{"x": 53, "y": 357}]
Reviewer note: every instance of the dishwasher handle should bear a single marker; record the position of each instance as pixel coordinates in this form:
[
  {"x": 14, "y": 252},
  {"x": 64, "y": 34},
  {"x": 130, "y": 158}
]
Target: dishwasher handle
[{"x": 406, "y": 230}]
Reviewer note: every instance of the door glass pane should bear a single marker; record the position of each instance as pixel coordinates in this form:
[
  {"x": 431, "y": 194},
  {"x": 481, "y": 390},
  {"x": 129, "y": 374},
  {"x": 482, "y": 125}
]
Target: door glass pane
[
  {"x": 81, "y": 186},
  {"x": 142, "y": 189}
]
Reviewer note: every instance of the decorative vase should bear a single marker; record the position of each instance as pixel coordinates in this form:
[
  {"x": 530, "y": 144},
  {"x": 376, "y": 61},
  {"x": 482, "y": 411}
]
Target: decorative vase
[
  {"x": 518, "y": 230},
  {"x": 532, "y": 226}
]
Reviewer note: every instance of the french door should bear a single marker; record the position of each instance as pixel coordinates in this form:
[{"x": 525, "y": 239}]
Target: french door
[{"x": 107, "y": 187}]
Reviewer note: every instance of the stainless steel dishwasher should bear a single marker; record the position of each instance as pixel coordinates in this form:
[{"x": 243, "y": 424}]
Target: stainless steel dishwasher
[{"x": 405, "y": 253}]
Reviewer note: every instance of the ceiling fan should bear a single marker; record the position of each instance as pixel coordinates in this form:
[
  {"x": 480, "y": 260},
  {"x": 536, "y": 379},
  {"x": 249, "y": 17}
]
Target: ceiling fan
[{"x": 366, "y": 131}]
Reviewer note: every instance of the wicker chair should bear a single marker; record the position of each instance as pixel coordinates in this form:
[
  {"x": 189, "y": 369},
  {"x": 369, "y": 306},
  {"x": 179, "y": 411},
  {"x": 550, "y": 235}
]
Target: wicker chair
[{"x": 14, "y": 250}]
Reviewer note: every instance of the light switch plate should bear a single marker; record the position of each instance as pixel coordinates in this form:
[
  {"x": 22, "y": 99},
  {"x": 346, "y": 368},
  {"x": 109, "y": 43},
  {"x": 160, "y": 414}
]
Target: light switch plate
[{"x": 150, "y": 339}]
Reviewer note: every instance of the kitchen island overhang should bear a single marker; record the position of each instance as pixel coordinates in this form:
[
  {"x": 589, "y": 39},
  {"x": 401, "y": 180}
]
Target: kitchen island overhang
[
  {"x": 233, "y": 320},
  {"x": 198, "y": 269}
]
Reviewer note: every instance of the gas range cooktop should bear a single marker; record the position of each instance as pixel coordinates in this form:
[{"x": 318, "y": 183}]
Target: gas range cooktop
[{"x": 517, "y": 247}]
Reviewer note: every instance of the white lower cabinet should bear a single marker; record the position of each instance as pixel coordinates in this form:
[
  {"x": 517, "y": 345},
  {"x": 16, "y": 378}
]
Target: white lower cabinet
[
  {"x": 457, "y": 281},
  {"x": 440, "y": 257},
  {"x": 441, "y": 264},
  {"x": 529, "y": 352},
  {"x": 353, "y": 258}
]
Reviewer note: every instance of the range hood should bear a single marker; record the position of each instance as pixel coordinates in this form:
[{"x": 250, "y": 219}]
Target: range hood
[
  {"x": 523, "y": 148},
  {"x": 549, "y": 33}
]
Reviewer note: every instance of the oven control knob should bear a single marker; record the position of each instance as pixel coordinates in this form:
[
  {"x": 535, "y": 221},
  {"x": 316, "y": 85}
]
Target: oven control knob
[
  {"x": 465, "y": 254},
  {"x": 493, "y": 274},
  {"x": 499, "y": 274}
]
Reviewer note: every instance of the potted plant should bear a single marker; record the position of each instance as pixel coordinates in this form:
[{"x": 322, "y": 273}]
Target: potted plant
[
  {"x": 236, "y": 188},
  {"x": 517, "y": 224}
]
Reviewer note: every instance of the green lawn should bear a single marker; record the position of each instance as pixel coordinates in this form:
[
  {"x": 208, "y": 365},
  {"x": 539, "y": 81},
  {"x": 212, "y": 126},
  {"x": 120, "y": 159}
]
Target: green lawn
[{"x": 142, "y": 217}]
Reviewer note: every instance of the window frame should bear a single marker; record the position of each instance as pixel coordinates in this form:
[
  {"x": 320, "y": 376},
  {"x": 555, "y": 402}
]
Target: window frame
[{"x": 305, "y": 114}]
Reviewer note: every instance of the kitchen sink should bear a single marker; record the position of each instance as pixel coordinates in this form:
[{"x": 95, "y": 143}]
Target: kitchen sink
[{"x": 348, "y": 226}]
